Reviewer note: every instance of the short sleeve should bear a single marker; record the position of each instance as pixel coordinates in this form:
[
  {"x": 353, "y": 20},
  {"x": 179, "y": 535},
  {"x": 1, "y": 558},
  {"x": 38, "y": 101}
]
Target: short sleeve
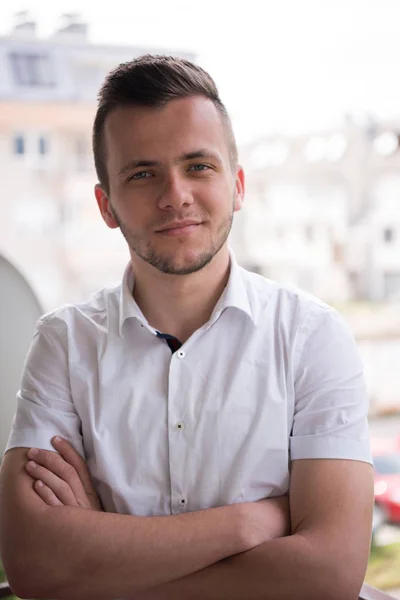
[
  {"x": 44, "y": 403},
  {"x": 331, "y": 401}
]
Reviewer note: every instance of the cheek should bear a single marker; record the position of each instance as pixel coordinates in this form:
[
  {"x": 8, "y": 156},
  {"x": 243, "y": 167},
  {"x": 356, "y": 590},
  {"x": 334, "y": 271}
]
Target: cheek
[
  {"x": 131, "y": 209},
  {"x": 218, "y": 197}
]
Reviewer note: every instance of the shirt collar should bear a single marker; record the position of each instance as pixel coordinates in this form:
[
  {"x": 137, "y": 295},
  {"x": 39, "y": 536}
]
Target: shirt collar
[
  {"x": 235, "y": 293},
  {"x": 128, "y": 307},
  {"x": 234, "y": 296}
]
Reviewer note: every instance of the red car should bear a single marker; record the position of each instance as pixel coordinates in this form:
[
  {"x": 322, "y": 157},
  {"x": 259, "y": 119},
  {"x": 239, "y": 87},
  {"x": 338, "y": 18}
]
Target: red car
[{"x": 387, "y": 481}]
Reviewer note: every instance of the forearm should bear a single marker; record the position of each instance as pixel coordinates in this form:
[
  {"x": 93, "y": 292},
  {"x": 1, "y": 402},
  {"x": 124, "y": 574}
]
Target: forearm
[
  {"x": 289, "y": 567},
  {"x": 63, "y": 550},
  {"x": 73, "y": 552}
]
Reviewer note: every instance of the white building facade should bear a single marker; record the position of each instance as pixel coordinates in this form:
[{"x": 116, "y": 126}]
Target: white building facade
[
  {"x": 323, "y": 211},
  {"x": 51, "y": 229},
  {"x": 54, "y": 246}
]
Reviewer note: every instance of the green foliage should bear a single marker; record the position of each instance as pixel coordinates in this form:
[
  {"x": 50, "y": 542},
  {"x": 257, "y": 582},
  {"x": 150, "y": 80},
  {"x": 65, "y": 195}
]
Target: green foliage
[{"x": 384, "y": 567}]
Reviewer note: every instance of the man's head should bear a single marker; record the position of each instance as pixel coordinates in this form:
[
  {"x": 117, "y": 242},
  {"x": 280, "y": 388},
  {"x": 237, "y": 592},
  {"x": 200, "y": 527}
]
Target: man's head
[
  {"x": 166, "y": 160},
  {"x": 153, "y": 81}
]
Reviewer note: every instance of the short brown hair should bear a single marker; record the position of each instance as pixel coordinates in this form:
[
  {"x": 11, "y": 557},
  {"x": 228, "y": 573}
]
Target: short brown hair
[{"x": 153, "y": 80}]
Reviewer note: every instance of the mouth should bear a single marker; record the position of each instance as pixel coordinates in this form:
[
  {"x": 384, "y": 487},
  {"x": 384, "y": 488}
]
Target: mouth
[{"x": 179, "y": 227}]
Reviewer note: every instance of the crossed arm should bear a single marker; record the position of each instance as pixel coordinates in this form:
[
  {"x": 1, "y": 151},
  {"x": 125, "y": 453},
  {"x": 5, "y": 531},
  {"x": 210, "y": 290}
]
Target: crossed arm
[{"x": 64, "y": 546}]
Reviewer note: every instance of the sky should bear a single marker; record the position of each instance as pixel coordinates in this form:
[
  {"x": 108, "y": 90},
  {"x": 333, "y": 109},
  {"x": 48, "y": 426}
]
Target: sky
[{"x": 284, "y": 66}]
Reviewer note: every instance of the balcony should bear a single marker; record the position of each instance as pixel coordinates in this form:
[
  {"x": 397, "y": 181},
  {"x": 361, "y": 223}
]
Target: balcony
[{"x": 370, "y": 593}]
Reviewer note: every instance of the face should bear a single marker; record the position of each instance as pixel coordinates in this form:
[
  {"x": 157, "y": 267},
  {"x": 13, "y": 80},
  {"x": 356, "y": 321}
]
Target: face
[{"x": 172, "y": 190}]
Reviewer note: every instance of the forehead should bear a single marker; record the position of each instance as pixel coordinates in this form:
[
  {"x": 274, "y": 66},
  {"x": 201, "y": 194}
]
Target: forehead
[{"x": 162, "y": 134}]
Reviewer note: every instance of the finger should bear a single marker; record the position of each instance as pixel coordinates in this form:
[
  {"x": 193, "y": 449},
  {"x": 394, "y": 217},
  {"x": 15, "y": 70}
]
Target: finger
[
  {"x": 71, "y": 456},
  {"x": 58, "y": 486},
  {"x": 55, "y": 463},
  {"x": 46, "y": 494}
]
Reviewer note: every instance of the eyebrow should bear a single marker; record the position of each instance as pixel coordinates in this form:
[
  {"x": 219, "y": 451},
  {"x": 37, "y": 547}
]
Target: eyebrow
[{"x": 134, "y": 164}]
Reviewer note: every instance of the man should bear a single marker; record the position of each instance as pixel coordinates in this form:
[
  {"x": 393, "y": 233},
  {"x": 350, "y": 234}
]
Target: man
[{"x": 200, "y": 396}]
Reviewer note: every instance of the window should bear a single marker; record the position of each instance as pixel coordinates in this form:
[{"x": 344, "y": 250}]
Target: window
[
  {"x": 19, "y": 144},
  {"x": 388, "y": 235},
  {"x": 43, "y": 146},
  {"x": 31, "y": 69}
]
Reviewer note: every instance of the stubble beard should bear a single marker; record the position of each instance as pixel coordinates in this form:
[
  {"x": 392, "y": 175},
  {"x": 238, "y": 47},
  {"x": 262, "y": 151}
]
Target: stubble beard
[{"x": 146, "y": 252}]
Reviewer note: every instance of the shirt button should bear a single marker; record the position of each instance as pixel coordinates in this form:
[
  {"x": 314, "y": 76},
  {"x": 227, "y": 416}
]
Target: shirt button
[
  {"x": 179, "y": 425},
  {"x": 181, "y": 354}
]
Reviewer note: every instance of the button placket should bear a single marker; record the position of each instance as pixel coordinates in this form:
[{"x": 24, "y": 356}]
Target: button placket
[{"x": 176, "y": 434}]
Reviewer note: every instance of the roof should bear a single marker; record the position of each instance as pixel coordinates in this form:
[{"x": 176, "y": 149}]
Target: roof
[{"x": 58, "y": 69}]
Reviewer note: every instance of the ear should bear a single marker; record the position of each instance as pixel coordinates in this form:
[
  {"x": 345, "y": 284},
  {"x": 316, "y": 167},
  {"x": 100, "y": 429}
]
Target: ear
[
  {"x": 104, "y": 205},
  {"x": 239, "y": 189}
]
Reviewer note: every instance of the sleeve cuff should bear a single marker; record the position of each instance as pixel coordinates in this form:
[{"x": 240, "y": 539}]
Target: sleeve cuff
[
  {"x": 40, "y": 438},
  {"x": 322, "y": 446}
]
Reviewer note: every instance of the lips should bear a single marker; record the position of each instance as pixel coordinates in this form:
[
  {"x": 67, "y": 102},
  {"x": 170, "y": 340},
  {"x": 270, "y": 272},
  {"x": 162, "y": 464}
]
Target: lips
[{"x": 178, "y": 225}]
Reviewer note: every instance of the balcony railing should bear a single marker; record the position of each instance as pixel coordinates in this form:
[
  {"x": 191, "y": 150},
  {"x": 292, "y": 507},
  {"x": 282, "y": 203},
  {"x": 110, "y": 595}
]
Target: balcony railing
[
  {"x": 367, "y": 593},
  {"x": 370, "y": 593},
  {"x": 5, "y": 590}
]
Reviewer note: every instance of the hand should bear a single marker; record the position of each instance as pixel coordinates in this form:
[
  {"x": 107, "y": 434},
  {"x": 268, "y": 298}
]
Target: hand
[
  {"x": 62, "y": 478},
  {"x": 266, "y": 520}
]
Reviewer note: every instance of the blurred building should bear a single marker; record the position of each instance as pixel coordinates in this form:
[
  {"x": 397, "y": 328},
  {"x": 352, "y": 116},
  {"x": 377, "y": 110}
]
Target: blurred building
[
  {"x": 323, "y": 212},
  {"x": 54, "y": 246},
  {"x": 50, "y": 229}
]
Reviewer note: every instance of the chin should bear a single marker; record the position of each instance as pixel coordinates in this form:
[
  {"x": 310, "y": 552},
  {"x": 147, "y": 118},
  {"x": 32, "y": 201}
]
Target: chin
[{"x": 185, "y": 266}]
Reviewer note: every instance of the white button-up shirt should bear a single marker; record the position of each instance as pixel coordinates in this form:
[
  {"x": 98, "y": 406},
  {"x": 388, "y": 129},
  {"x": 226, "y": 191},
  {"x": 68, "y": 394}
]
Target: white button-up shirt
[{"x": 273, "y": 376}]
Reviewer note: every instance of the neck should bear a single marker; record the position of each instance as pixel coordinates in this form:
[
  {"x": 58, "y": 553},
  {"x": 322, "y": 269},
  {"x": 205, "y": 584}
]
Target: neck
[{"x": 180, "y": 304}]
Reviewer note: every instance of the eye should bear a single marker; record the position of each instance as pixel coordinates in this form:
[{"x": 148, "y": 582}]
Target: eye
[
  {"x": 140, "y": 175},
  {"x": 199, "y": 167}
]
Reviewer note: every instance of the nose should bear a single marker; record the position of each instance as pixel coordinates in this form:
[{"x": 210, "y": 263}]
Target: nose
[{"x": 176, "y": 193}]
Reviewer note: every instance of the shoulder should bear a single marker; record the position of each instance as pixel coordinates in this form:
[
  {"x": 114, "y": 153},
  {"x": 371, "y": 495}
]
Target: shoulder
[
  {"x": 298, "y": 319},
  {"x": 102, "y": 306},
  {"x": 287, "y": 302}
]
